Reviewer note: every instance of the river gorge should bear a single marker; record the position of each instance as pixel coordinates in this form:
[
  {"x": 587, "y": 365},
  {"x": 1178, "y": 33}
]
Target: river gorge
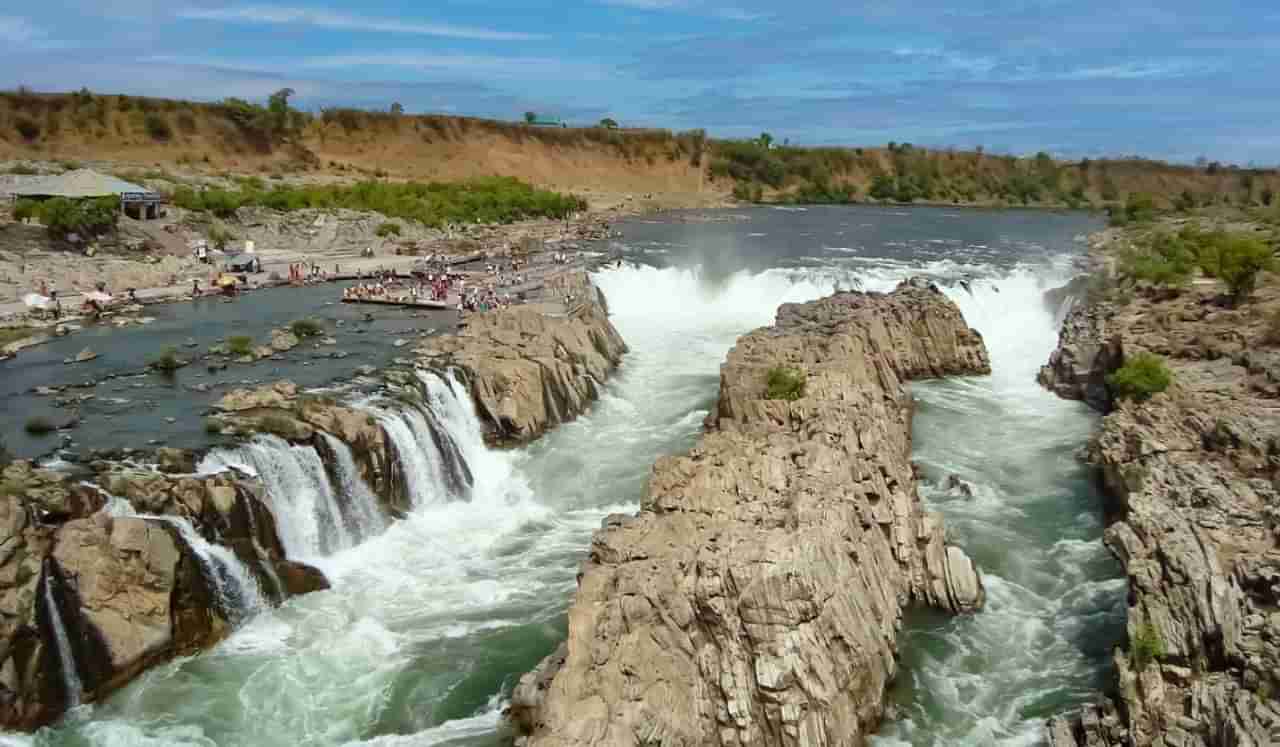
[{"x": 452, "y": 580}]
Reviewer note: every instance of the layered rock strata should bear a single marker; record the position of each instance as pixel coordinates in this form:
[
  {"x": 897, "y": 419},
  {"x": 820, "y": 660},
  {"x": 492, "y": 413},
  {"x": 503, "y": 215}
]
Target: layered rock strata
[
  {"x": 529, "y": 370},
  {"x": 1192, "y": 474},
  {"x": 757, "y": 596}
]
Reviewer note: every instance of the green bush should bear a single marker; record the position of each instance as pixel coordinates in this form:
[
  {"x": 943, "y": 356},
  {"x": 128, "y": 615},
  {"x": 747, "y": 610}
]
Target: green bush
[
  {"x": 304, "y": 328},
  {"x": 240, "y": 345},
  {"x": 168, "y": 361},
  {"x": 487, "y": 200},
  {"x": 87, "y": 218},
  {"x": 785, "y": 383},
  {"x": 157, "y": 126},
  {"x": 1140, "y": 377},
  {"x": 23, "y": 170},
  {"x": 1240, "y": 259},
  {"x": 38, "y": 426},
  {"x": 388, "y": 229},
  {"x": 1164, "y": 259},
  {"x": 1147, "y": 646}
]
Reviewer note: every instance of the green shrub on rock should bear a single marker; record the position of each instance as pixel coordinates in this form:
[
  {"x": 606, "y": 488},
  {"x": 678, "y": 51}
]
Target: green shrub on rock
[
  {"x": 1140, "y": 377},
  {"x": 240, "y": 345},
  {"x": 303, "y": 328},
  {"x": 388, "y": 229},
  {"x": 785, "y": 383},
  {"x": 1147, "y": 646}
]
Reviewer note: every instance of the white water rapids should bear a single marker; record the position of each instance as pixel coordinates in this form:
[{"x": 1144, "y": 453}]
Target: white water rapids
[{"x": 432, "y": 619}]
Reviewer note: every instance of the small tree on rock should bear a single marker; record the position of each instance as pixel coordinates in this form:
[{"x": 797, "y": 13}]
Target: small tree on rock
[
  {"x": 609, "y": 123},
  {"x": 1240, "y": 260}
]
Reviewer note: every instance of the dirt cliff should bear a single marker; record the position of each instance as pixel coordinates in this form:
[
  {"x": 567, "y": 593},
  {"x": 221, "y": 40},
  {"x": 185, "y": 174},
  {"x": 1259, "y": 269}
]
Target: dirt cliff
[{"x": 756, "y": 597}]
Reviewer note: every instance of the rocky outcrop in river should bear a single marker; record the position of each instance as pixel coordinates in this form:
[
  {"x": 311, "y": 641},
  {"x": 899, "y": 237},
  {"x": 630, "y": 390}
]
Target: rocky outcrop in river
[
  {"x": 757, "y": 596},
  {"x": 89, "y": 598},
  {"x": 528, "y": 370},
  {"x": 1192, "y": 474}
]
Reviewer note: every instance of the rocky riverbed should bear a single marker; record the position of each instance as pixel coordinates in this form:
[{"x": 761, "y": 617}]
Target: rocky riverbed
[
  {"x": 1195, "y": 514},
  {"x": 756, "y": 597}
]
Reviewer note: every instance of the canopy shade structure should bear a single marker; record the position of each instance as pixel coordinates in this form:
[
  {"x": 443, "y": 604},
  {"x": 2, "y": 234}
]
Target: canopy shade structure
[{"x": 84, "y": 184}]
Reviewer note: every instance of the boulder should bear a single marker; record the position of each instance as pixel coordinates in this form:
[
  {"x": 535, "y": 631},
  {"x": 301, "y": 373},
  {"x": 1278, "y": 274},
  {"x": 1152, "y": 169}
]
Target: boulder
[
  {"x": 756, "y": 597},
  {"x": 277, "y": 395}
]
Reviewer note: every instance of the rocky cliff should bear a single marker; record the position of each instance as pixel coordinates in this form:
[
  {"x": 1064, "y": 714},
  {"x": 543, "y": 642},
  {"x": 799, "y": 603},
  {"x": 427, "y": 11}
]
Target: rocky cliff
[
  {"x": 529, "y": 370},
  {"x": 89, "y": 598},
  {"x": 1192, "y": 473},
  {"x": 756, "y": 597}
]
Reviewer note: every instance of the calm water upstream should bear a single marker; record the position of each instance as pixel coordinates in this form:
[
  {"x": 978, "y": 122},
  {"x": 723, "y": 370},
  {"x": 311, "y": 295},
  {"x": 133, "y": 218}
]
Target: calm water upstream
[{"x": 430, "y": 623}]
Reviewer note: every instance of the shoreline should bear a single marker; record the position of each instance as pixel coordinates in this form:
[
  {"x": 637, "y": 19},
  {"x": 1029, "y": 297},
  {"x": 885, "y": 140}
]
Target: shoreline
[{"x": 1193, "y": 515}]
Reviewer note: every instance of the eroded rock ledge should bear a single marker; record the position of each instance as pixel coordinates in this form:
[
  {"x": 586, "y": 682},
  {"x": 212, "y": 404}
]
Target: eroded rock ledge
[
  {"x": 529, "y": 371},
  {"x": 1192, "y": 474},
  {"x": 757, "y": 596}
]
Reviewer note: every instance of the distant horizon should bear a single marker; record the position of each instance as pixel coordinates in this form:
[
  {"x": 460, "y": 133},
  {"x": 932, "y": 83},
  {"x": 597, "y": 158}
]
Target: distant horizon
[{"x": 1075, "y": 80}]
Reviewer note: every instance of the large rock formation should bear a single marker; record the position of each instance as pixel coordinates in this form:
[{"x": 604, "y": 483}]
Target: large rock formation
[
  {"x": 1086, "y": 353},
  {"x": 756, "y": 597},
  {"x": 1192, "y": 473},
  {"x": 88, "y": 599},
  {"x": 528, "y": 370}
]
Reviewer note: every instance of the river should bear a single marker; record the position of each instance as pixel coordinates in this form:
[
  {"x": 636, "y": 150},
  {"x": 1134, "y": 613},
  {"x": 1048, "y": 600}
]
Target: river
[{"x": 430, "y": 622}]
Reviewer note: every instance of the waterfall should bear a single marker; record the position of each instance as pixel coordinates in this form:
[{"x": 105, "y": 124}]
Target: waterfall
[
  {"x": 308, "y": 518},
  {"x": 70, "y": 676},
  {"x": 423, "y": 469},
  {"x": 361, "y": 504},
  {"x": 233, "y": 584}
]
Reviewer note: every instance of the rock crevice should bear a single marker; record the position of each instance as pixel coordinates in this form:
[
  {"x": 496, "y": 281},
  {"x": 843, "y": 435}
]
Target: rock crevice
[{"x": 757, "y": 596}]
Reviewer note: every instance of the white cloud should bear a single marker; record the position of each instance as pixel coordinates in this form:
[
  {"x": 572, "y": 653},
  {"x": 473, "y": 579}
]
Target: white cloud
[
  {"x": 18, "y": 30},
  {"x": 264, "y": 15}
]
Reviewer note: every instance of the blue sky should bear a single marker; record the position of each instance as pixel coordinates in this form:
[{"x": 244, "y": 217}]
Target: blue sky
[{"x": 1173, "y": 79}]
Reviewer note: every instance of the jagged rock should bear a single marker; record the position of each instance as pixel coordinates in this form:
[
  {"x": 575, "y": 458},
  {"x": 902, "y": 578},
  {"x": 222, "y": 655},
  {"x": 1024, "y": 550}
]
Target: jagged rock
[
  {"x": 1085, "y": 355},
  {"x": 1192, "y": 474},
  {"x": 283, "y": 341},
  {"x": 528, "y": 371},
  {"x": 83, "y": 356},
  {"x": 756, "y": 597},
  {"x": 52, "y": 497}
]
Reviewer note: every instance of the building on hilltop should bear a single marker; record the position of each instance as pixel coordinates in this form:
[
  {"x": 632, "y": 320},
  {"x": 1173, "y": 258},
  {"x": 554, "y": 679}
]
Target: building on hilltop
[{"x": 84, "y": 184}]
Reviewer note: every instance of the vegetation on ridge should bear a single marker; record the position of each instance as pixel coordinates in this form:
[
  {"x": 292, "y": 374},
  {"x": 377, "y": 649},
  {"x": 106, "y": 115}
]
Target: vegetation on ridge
[{"x": 491, "y": 200}]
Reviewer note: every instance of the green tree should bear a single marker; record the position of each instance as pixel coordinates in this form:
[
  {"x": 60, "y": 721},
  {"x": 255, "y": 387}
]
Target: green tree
[
  {"x": 609, "y": 123},
  {"x": 397, "y": 109},
  {"x": 530, "y": 117},
  {"x": 278, "y": 106},
  {"x": 765, "y": 140}
]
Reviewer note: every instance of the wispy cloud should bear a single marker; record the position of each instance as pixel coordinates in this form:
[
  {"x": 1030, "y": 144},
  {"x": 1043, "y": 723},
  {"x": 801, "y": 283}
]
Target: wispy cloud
[
  {"x": 728, "y": 13},
  {"x": 265, "y": 15},
  {"x": 18, "y": 30}
]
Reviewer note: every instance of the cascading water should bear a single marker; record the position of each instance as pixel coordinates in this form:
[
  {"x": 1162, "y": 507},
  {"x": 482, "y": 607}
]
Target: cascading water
[
  {"x": 1033, "y": 524},
  {"x": 360, "y": 502},
  {"x": 430, "y": 622},
  {"x": 423, "y": 468},
  {"x": 66, "y": 656},
  {"x": 233, "y": 584},
  {"x": 308, "y": 518}
]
